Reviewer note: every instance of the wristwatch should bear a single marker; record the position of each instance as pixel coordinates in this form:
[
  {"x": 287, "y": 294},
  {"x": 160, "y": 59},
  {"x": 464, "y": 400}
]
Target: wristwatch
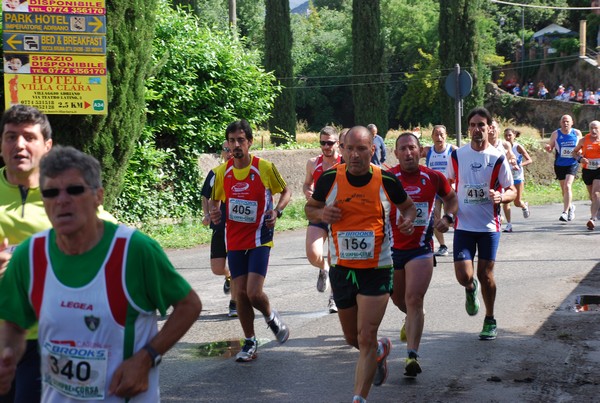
[
  {"x": 279, "y": 213},
  {"x": 450, "y": 218},
  {"x": 154, "y": 356}
]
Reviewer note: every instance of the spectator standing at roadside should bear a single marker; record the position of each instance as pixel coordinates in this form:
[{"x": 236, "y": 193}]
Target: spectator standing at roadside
[
  {"x": 437, "y": 158},
  {"x": 379, "y": 156},
  {"x": 523, "y": 159},
  {"x": 218, "y": 252},
  {"x": 563, "y": 141}
]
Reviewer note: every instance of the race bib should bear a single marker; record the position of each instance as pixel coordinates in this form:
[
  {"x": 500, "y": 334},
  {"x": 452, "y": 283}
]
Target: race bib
[
  {"x": 243, "y": 210},
  {"x": 593, "y": 163},
  {"x": 76, "y": 372},
  {"x": 477, "y": 194},
  {"x": 422, "y": 214},
  {"x": 566, "y": 152},
  {"x": 356, "y": 245}
]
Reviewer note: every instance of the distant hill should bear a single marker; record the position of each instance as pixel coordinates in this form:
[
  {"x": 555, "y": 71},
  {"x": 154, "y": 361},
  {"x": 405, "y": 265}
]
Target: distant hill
[{"x": 298, "y": 6}]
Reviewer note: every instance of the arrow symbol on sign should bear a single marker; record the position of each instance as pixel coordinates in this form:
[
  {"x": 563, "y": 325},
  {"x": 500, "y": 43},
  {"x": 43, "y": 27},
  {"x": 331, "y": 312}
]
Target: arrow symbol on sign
[
  {"x": 96, "y": 23},
  {"x": 86, "y": 105},
  {"x": 12, "y": 42}
]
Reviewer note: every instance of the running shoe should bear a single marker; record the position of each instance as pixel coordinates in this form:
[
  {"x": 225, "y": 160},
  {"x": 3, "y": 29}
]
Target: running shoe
[
  {"x": 232, "y": 309},
  {"x": 571, "y": 213},
  {"x": 381, "y": 372},
  {"x": 442, "y": 251},
  {"x": 403, "y": 337},
  {"x": 490, "y": 331},
  {"x": 279, "y": 329},
  {"x": 563, "y": 216},
  {"x": 508, "y": 228},
  {"x": 525, "y": 209},
  {"x": 472, "y": 302},
  {"x": 358, "y": 399},
  {"x": 227, "y": 285},
  {"x": 591, "y": 224},
  {"x": 322, "y": 281},
  {"x": 248, "y": 351},
  {"x": 412, "y": 367},
  {"x": 331, "y": 305}
]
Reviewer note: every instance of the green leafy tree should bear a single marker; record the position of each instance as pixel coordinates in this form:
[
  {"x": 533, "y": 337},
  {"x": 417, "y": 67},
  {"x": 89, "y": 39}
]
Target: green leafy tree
[
  {"x": 411, "y": 32},
  {"x": 203, "y": 80},
  {"x": 112, "y": 138},
  {"x": 458, "y": 20},
  {"x": 321, "y": 48},
  {"x": 368, "y": 64},
  {"x": 278, "y": 59}
]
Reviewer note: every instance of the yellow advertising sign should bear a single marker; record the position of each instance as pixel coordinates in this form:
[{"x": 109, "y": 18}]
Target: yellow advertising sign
[
  {"x": 62, "y": 7},
  {"x": 58, "y": 94}
]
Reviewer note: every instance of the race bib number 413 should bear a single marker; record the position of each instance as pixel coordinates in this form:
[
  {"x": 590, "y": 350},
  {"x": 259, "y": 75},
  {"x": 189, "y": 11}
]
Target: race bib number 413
[
  {"x": 477, "y": 194},
  {"x": 356, "y": 245},
  {"x": 76, "y": 372}
]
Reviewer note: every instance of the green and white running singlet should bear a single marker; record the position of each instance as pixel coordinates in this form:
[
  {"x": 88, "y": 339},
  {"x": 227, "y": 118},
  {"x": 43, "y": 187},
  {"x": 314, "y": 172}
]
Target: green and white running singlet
[{"x": 95, "y": 309}]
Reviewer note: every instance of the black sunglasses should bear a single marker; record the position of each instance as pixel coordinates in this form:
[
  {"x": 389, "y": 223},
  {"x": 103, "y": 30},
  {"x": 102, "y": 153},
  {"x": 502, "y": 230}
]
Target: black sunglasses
[
  {"x": 74, "y": 190},
  {"x": 329, "y": 143}
]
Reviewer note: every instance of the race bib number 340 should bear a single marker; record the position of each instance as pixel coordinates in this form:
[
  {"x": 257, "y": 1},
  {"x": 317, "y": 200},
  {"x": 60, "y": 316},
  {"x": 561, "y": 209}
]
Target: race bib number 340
[
  {"x": 243, "y": 210},
  {"x": 76, "y": 372},
  {"x": 356, "y": 245}
]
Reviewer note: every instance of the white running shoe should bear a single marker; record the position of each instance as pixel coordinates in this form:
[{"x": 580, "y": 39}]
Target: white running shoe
[
  {"x": 526, "y": 212},
  {"x": 571, "y": 213},
  {"x": 508, "y": 228},
  {"x": 248, "y": 351},
  {"x": 279, "y": 329}
]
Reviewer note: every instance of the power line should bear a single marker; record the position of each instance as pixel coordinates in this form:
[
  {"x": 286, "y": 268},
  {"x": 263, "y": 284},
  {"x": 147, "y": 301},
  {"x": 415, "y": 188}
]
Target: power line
[
  {"x": 510, "y": 3},
  {"x": 434, "y": 74}
]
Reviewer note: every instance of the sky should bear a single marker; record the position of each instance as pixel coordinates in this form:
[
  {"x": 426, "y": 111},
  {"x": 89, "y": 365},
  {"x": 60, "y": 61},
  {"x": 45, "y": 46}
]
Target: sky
[{"x": 295, "y": 3}]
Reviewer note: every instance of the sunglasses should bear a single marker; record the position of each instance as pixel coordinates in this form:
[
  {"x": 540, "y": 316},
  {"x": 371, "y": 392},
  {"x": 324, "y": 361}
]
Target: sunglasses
[
  {"x": 329, "y": 143},
  {"x": 74, "y": 190},
  {"x": 226, "y": 149}
]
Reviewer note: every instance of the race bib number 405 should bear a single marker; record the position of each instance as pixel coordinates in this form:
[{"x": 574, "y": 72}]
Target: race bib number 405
[
  {"x": 356, "y": 245},
  {"x": 76, "y": 372},
  {"x": 243, "y": 210}
]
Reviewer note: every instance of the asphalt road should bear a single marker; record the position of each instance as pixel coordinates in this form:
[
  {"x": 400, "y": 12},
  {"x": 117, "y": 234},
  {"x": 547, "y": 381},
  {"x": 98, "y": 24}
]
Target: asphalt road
[{"x": 544, "y": 351}]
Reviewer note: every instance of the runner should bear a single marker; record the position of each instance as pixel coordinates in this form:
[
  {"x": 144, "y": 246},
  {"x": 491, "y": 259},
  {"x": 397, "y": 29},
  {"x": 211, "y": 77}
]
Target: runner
[
  {"x": 246, "y": 185},
  {"x": 436, "y": 158},
  {"x": 355, "y": 199},
  {"x": 412, "y": 255},
  {"x": 523, "y": 159},
  {"x": 316, "y": 233},
  {"x": 218, "y": 253},
  {"x": 481, "y": 173},
  {"x": 564, "y": 141},
  {"x": 95, "y": 288},
  {"x": 587, "y": 152}
]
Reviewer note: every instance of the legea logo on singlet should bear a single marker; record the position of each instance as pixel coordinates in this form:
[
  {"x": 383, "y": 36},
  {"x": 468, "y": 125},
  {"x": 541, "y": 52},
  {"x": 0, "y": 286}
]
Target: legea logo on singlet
[
  {"x": 240, "y": 187},
  {"x": 76, "y": 305}
]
